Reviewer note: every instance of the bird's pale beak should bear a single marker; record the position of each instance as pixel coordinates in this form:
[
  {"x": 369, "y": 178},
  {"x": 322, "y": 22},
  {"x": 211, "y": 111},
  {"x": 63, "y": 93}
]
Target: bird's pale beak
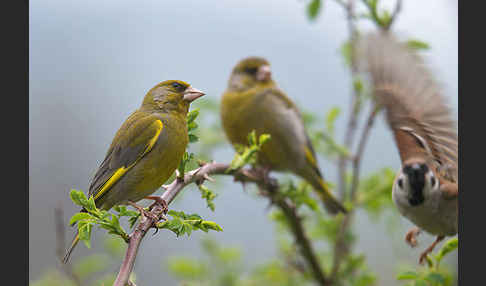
[
  {"x": 191, "y": 94},
  {"x": 264, "y": 73}
]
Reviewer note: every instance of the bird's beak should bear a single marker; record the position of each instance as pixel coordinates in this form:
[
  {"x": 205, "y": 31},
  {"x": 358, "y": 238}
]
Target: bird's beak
[
  {"x": 264, "y": 73},
  {"x": 192, "y": 94}
]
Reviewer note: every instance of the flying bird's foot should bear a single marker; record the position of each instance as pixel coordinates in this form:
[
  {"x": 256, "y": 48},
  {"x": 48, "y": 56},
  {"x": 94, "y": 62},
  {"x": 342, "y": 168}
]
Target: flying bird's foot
[
  {"x": 143, "y": 213},
  {"x": 430, "y": 248},
  {"x": 411, "y": 236}
]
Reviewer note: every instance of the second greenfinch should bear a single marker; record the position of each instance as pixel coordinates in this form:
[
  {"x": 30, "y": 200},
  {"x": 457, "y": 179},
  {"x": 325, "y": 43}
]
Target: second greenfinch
[
  {"x": 252, "y": 101},
  {"x": 146, "y": 150}
]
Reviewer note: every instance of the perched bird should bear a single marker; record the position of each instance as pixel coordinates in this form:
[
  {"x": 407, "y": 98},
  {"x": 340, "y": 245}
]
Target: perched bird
[
  {"x": 425, "y": 190},
  {"x": 252, "y": 101},
  {"x": 146, "y": 149}
]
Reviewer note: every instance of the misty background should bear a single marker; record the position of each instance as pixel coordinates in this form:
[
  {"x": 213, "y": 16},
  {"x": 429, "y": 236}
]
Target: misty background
[{"x": 91, "y": 63}]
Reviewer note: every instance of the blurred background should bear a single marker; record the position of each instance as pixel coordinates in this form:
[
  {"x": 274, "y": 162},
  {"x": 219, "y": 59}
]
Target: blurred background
[{"x": 91, "y": 63}]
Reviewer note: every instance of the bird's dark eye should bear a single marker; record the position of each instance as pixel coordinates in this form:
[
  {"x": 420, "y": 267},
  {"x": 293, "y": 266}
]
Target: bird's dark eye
[
  {"x": 400, "y": 183},
  {"x": 251, "y": 70},
  {"x": 176, "y": 85},
  {"x": 432, "y": 181}
]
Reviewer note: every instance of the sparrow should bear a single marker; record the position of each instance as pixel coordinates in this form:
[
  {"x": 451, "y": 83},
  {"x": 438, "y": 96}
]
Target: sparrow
[
  {"x": 425, "y": 189},
  {"x": 253, "y": 101},
  {"x": 146, "y": 150}
]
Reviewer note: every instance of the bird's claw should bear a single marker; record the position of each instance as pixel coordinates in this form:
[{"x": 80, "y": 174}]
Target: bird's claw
[{"x": 411, "y": 236}]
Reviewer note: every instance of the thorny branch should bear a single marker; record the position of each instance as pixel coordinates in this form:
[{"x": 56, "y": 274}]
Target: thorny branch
[{"x": 268, "y": 187}]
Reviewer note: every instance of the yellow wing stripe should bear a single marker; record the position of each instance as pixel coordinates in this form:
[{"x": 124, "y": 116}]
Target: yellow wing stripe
[
  {"x": 111, "y": 181},
  {"x": 310, "y": 157},
  {"x": 121, "y": 171}
]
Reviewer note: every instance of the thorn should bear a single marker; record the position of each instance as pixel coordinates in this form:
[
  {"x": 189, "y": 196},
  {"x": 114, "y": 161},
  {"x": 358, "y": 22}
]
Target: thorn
[{"x": 207, "y": 177}]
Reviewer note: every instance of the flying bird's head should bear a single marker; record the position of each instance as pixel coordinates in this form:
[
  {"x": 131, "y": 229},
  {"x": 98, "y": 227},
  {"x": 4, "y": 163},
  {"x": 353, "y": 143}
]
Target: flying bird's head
[
  {"x": 416, "y": 181},
  {"x": 249, "y": 73},
  {"x": 171, "y": 95}
]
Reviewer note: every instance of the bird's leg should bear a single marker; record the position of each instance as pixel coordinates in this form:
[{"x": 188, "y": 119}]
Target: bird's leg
[
  {"x": 411, "y": 236},
  {"x": 143, "y": 212},
  {"x": 430, "y": 248},
  {"x": 161, "y": 202}
]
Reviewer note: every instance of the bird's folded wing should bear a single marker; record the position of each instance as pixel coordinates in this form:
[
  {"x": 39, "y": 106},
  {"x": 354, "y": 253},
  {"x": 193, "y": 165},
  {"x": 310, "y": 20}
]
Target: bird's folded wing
[
  {"x": 298, "y": 122},
  {"x": 134, "y": 139}
]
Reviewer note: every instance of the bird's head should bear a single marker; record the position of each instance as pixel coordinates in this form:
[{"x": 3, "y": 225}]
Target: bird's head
[
  {"x": 171, "y": 95},
  {"x": 416, "y": 180},
  {"x": 250, "y": 72}
]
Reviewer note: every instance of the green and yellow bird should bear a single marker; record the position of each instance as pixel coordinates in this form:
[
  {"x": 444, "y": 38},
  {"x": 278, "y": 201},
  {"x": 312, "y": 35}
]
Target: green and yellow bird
[
  {"x": 146, "y": 150},
  {"x": 252, "y": 101}
]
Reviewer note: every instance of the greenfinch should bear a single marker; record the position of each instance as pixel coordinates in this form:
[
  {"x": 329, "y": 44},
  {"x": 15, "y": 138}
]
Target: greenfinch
[
  {"x": 252, "y": 101},
  {"x": 146, "y": 150}
]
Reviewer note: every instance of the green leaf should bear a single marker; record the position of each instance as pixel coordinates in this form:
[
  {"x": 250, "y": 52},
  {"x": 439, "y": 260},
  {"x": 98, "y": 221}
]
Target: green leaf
[
  {"x": 417, "y": 45},
  {"x": 91, "y": 264},
  {"x": 252, "y": 138},
  {"x": 346, "y": 52},
  {"x": 358, "y": 85},
  {"x": 84, "y": 230},
  {"x": 90, "y": 205},
  {"x": 331, "y": 117},
  {"x": 448, "y": 247},
  {"x": 263, "y": 138},
  {"x": 407, "y": 275},
  {"x": 183, "y": 223},
  {"x": 435, "y": 278},
  {"x": 208, "y": 195},
  {"x": 187, "y": 268},
  {"x": 212, "y": 225},
  {"x": 420, "y": 283},
  {"x": 313, "y": 9},
  {"x": 78, "y": 197},
  {"x": 79, "y": 216},
  {"x": 192, "y": 115},
  {"x": 115, "y": 246},
  {"x": 193, "y": 138}
]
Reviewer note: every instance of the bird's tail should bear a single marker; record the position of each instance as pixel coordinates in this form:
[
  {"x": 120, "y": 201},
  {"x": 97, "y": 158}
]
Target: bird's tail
[
  {"x": 70, "y": 249},
  {"x": 332, "y": 205}
]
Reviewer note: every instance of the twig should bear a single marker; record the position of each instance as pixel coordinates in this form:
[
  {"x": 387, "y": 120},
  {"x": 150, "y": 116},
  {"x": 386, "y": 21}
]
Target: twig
[
  {"x": 396, "y": 11},
  {"x": 301, "y": 239},
  {"x": 198, "y": 176},
  {"x": 60, "y": 244},
  {"x": 355, "y": 103},
  {"x": 271, "y": 190},
  {"x": 341, "y": 248}
]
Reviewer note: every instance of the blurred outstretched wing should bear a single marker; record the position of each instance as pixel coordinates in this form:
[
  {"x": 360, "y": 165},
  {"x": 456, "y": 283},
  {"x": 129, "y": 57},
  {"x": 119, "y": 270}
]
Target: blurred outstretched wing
[{"x": 416, "y": 111}]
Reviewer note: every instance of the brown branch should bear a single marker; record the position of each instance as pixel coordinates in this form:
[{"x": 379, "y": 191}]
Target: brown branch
[
  {"x": 199, "y": 175},
  {"x": 355, "y": 101},
  {"x": 341, "y": 248},
  {"x": 396, "y": 11},
  {"x": 269, "y": 188},
  {"x": 301, "y": 239}
]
